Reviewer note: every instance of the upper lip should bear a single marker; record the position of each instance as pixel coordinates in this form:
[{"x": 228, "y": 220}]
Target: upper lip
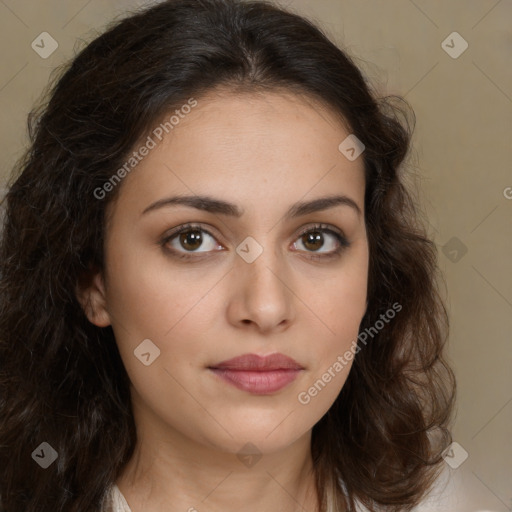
[{"x": 254, "y": 362}]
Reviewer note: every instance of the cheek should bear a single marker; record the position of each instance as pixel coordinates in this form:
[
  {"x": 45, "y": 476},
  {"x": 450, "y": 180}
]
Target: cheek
[
  {"x": 149, "y": 295},
  {"x": 341, "y": 308},
  {"x": 341, "y": 304},
  {"x": 340, "y": 301},
  {"x": 173, "y": 307}
]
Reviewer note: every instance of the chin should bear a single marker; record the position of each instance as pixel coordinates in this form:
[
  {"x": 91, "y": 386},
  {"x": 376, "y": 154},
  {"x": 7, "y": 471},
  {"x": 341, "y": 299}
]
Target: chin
[{"x": 266, "y": 439}]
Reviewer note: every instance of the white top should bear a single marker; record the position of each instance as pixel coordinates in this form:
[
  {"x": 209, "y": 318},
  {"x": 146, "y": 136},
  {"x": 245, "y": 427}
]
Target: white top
[
  {"x": 448, "y": 495},
  {"x": 117, "y": 502}
]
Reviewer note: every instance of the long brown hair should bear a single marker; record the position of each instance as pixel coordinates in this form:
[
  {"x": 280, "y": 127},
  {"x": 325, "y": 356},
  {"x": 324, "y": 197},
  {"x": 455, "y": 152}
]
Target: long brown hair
[{"x": 62, "y": 380}]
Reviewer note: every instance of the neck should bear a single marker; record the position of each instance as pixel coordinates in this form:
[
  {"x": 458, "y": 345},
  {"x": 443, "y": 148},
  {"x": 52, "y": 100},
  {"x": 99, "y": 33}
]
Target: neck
[{"x": 172, "y": 472}]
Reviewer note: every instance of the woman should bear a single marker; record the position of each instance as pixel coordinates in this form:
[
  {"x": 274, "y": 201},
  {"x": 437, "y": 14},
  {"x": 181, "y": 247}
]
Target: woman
[{"x": 215, "y": 289}]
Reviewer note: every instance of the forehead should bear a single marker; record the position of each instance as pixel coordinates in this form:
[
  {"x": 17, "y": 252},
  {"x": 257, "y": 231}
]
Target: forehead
[
  {"x": 246, "y": 145},
  {"x": 229, "y": 115}
]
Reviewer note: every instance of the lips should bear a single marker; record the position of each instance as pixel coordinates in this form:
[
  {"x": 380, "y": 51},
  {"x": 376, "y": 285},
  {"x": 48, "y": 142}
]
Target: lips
[
  {"x": 256, "y": 374},
  {"x": 253, "y": 362}
]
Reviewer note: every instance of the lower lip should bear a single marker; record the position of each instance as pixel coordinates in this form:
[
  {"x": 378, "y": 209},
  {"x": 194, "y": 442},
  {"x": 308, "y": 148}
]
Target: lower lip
[{"x": 261, "y": 383}]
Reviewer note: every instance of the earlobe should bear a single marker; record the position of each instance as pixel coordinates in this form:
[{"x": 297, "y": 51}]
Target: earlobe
[{"x": 91, "y": 295}]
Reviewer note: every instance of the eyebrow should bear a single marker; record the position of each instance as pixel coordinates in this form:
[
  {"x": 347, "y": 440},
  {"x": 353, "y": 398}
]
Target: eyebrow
[{"x": 218, "y": 206}]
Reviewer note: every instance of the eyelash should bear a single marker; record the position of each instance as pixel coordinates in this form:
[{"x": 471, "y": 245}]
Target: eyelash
[{"x": 342, "y": 241}]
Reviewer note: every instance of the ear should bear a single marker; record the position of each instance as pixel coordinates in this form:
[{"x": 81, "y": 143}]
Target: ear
[{"x": 90, "y": 292}]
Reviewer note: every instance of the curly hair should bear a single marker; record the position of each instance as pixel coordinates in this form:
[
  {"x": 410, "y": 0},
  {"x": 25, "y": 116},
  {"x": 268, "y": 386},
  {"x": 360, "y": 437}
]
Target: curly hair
[{"x": 62, "y": 380}]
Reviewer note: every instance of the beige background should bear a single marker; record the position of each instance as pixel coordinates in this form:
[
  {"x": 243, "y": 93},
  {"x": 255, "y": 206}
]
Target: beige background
[{"x": 462, "y": 159}]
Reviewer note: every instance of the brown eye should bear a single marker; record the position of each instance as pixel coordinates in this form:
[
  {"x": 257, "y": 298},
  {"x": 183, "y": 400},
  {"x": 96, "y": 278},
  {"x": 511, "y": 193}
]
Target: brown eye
[
  {"x": 191, "y": 240},
  {"x": 313, "y": 240},
  {"x": 320, "y": 237},
  {"x": 188, "y": 240}
]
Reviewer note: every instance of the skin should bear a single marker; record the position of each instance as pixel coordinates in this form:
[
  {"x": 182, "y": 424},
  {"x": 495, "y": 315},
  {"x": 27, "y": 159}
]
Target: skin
[{"x": 262, "y": 152}]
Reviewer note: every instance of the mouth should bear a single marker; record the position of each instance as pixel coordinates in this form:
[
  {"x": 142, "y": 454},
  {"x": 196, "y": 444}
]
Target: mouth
[{"x": 256, "y": 374}]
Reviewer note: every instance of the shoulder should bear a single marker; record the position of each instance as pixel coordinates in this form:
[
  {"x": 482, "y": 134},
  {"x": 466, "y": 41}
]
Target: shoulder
[
  {"x": 455, "y": 491},
  {"x": 448, "y": 494},
  {"x": 445, "y": 496}
]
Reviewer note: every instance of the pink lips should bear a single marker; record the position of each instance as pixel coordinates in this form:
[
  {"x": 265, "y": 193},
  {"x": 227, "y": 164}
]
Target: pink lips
[{"x": 258, "y": 375}]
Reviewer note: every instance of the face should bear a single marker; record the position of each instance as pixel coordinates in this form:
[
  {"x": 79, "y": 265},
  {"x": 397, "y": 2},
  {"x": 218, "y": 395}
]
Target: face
[{"x": 258, "y": 272}]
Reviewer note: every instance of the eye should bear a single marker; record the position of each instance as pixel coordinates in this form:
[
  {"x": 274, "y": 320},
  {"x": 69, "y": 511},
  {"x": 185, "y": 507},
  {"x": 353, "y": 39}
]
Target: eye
[
  {"x": 190, "y": 238},
  {"x": 313, "y": 239}
]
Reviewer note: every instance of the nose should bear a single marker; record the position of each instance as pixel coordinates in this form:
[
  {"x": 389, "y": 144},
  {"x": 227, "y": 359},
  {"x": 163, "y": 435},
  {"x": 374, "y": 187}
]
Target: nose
[{"x": 261, "y": 294}]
